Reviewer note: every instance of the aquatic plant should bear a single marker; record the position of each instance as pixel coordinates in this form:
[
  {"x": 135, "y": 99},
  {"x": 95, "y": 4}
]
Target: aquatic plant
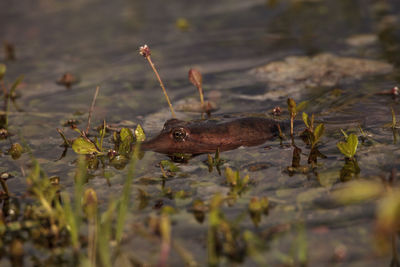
[
  {"x": 258, "y": 207},
  {"x": 349, "y": 148},
  {"x": 294, "y": 109},
  {"x": 123, "y": 140},
  {"x": 312, "y": 135},
  {"x": 237, "y": 183},
  {"x": 54, "y": 214},
  {"x": 215, "y": 161}
]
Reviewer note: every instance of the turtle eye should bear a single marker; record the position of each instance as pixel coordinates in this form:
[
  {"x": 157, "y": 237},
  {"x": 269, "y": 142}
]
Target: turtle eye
[{"x": 179, "y": 134}]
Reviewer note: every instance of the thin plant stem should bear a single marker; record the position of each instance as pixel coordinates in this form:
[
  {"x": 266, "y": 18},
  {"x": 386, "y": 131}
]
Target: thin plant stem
[
  {"x": 291, "y": 125},
  {"x": 126, "y": 192},
  {"x": 91, "y": 109},
  {"x": 161, "y": 84},
  {"x": 92, "y": 239},
  {"x": 201, "y": 97}
]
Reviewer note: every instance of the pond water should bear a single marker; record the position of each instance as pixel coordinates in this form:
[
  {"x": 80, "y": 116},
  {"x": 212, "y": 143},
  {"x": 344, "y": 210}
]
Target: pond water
[{"x": 253, "y": 55}]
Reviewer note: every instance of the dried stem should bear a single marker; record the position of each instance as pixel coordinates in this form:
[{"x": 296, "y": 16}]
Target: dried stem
[
  {"x": 145, "y": 52},
  {"x": 91, "y": 109},
  {"x": 201, "y": 96},
  {"x": 162, "y": 85},
  {"x": 291, "y": 125}
]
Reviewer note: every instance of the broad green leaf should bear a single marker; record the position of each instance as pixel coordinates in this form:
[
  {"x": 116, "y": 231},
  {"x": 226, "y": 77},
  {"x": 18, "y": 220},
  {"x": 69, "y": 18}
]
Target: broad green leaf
[
  {"x": 349, "y": 148},
  {"x": 344, "y": 149},
  {"x": 126, "y": 137},
  {"x": 352, "y": 140},
  {"x": 139, "y": 133},
  {"x": 83, "y": 146}
]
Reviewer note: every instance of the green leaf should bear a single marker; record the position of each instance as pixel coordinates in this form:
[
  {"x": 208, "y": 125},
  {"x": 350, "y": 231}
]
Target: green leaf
[
  {"x": 349, "y": 148},
  {"x": 126, "y": 137},
  {"x": 3, "y": 70},
  {"x": 344, "y": 149},
  {"x": 230, "y": 176},
  {"x": 16, "y": 150},
  {"x": 318, "y": 132},
  {"x": 291, "y": 105},
  {"x": 15, "y": 84},
  {"x": 302, "y": 105},
  {"x": 352, "y": 140},
  {"x": 102, "y": 134},
  {"x": 84, "y": 146},
  {"x": 305, "y": 119},
  {"x": 139, "y": 133},
  {"x": 245, "y": 180},
  {"x": 169, "y": 165}
]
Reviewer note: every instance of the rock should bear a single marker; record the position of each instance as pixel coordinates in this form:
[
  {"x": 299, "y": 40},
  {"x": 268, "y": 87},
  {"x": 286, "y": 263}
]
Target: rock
[
  {"x": 296, "y": 73},
  {"x": 361, "y": 40}
]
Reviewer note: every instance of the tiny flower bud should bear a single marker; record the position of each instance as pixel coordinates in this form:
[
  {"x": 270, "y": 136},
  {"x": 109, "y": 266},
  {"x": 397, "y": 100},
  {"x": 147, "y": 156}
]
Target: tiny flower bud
[
  {"x": 144, "y": 51},
  {"x": 395, "y": 90},
  {"x": 195, "y": 77},
  {"x": 276, "y": 111}
]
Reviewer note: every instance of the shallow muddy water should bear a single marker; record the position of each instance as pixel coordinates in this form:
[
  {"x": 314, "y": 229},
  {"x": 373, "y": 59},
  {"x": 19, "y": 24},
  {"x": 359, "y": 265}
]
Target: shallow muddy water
[{"x": 231, "y": 42}]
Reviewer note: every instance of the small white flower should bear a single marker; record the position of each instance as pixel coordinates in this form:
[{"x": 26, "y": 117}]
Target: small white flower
[{"x": 144, "y": 50}]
